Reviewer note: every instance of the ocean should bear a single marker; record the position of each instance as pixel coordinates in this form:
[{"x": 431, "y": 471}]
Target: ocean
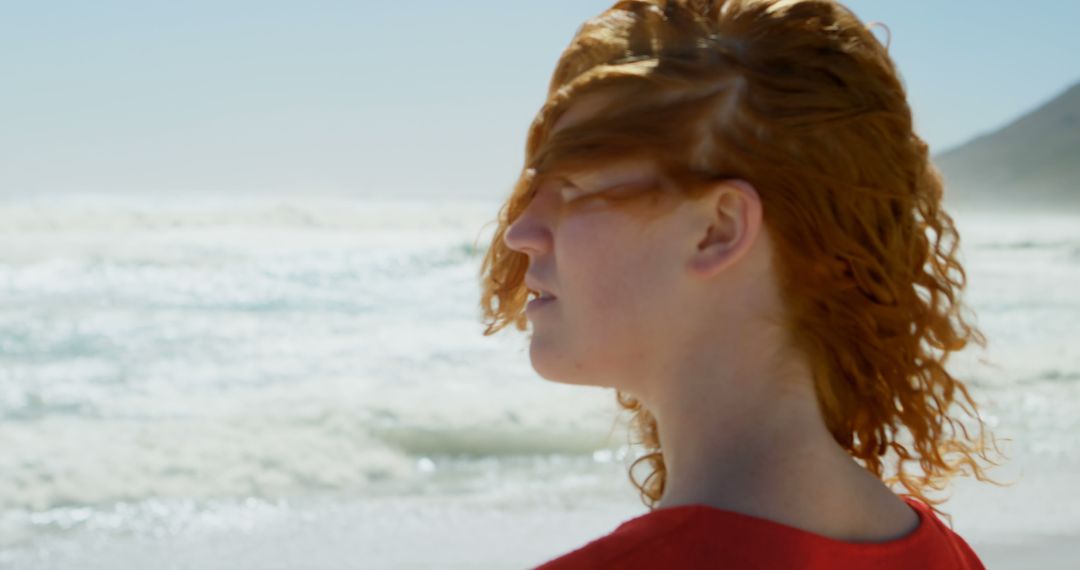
[{"x": 302, "y": 382}]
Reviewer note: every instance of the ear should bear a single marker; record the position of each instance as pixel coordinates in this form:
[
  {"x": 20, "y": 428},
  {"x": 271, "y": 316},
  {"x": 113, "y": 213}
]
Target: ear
[{"x": 732, "y": 215}]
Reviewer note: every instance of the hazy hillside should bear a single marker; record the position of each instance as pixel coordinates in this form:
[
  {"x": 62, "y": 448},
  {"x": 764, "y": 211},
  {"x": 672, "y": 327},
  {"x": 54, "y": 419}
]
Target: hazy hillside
[{"x": 1032, "y": 163}]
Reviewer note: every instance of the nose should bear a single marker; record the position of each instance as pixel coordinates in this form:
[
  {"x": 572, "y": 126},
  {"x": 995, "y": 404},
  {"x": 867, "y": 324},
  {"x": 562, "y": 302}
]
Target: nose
[{"x": 529, "y": 233}]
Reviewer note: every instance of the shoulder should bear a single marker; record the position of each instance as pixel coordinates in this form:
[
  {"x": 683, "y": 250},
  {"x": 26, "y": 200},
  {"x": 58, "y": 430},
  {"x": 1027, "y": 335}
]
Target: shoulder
[
  {"x": 694, "y": 536},
  {"x": 943, "y": 542},
  {"x": 642, "y": 540},
  {"x": 690, "y": 536}
]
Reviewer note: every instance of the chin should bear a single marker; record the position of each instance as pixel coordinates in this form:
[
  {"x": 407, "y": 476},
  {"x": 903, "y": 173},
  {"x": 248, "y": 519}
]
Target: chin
[
  {"x": 549, "y": 364},
  {"x": 562, "y": 371},
  {"x": 569, "y": 381},
  {"x": 547, "y": 367}
]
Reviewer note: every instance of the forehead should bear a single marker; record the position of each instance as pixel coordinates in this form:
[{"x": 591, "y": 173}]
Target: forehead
[
  {"x": 628, "y": 169},
  {"x": 581, "y": 109}
]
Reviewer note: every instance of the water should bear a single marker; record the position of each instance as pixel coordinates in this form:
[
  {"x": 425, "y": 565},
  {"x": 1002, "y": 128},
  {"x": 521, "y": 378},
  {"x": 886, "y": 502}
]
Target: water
[{"x": 297, "y": 381}]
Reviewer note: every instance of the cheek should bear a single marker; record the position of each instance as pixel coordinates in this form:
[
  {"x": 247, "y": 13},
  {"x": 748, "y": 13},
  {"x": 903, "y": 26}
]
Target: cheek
[
  {"x": 613, "y": 275},
  {"x": 588, "y": 262}
]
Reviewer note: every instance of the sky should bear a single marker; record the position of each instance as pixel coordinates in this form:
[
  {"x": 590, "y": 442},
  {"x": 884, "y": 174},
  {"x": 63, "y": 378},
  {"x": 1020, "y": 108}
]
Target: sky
[{"x": 427, "y": 99}]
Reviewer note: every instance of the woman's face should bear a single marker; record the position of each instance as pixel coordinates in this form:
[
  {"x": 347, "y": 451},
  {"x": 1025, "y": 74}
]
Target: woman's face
[{"x": 616, "y": 279}]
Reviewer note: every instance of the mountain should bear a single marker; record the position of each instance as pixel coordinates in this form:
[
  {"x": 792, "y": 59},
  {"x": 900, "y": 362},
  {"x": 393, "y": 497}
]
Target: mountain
[{"x": 1032, "y": 163}]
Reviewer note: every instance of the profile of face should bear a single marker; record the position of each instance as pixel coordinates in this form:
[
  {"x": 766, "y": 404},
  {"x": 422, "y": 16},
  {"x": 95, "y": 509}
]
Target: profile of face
[{"x": 633, "y": 299}]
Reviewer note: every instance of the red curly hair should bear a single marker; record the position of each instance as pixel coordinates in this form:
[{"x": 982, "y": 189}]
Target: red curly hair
[{"x": 799, "y": 98}]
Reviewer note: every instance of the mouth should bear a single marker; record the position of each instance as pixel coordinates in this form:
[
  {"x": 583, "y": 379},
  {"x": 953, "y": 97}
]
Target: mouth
[
  {"x": 539, "y": 299},
  {"x": 541, "y": 295}
]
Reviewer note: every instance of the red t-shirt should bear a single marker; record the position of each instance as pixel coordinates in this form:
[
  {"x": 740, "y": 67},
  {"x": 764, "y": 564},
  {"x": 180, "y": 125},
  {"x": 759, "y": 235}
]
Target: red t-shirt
[{"x": 699, "y": 536}]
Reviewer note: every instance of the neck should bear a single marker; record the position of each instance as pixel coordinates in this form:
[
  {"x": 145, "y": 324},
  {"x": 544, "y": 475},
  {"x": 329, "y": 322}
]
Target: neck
[{"x": 753, "y": 442}]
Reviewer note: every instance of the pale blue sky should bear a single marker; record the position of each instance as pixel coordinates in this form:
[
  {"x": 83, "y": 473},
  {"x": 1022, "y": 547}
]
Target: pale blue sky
[{"x": 416, "y": 98}]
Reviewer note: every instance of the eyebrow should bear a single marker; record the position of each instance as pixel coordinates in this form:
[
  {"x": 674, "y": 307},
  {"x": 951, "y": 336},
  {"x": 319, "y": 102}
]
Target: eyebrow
[
  {"x": 601, "y": 171},
  {"x": 551, "y": 178},
  {"x": 567, "y": 177}
]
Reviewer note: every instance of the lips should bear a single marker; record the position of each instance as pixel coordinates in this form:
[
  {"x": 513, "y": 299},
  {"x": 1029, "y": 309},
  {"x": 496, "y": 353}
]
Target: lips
[
  {"x": 541, "y": 294},
  {"x": 536, "y": 304},
  {"x": 535, "y": 287}
]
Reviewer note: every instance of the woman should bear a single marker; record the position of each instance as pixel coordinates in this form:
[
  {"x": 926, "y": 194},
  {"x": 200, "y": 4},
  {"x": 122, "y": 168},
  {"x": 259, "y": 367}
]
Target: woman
[{"x": 724, "y": 214}]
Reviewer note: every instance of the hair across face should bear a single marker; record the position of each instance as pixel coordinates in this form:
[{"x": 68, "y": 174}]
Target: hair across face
[{"x": 799, "y": 98}]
